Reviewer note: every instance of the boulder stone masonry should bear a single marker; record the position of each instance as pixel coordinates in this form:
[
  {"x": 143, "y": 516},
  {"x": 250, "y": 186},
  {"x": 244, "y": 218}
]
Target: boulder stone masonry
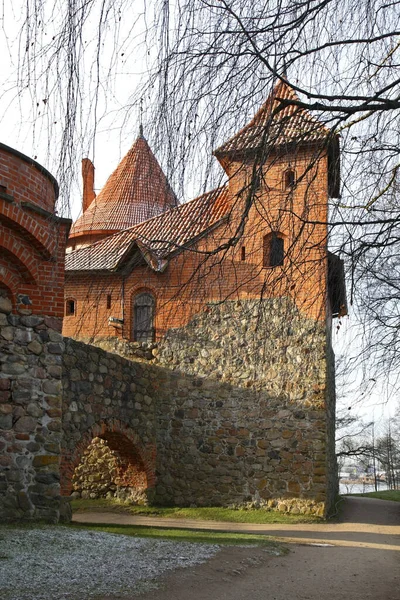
[
  {"x": 108, "y": 397},
  {"x": 249, "y": 412},
  {"x": 237, "y": 407},
  {"x": 31, "y": 350}
]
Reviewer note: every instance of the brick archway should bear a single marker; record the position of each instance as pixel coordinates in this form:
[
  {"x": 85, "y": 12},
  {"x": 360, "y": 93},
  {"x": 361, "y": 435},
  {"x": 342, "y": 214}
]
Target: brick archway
[{"x": 121, "y": 439}]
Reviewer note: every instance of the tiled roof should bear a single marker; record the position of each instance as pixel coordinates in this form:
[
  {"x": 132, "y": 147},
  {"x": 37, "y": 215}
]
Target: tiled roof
[
  {"x": 156, "y": 238},
  {"x": 137, "y": 190},
  {"x": 275, "y": 126}
]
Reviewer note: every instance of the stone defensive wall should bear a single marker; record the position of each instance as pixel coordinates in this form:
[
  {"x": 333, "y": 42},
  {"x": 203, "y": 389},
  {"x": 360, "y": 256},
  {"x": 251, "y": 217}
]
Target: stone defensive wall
[
  {"x": 235, "y": 408},
  {"x": 248, "y": 412},
  {"x": 108, "y": 397}
]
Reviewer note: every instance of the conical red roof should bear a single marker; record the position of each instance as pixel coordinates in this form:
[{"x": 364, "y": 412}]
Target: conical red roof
[
  {"x": 276, "y": 125},
  {"x": 136, "y": 191}
]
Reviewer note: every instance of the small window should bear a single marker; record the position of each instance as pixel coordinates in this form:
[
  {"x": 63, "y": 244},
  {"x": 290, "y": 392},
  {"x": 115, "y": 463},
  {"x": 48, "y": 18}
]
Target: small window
[
  {"x": 243, "y": 253},
  {"x": 143, "y": 318},
  {"x": 108, "y": 300},
  {"x": 70, "y": 307},
  {"x": 274, "y": 250},
  {"x": 289, "y": 179}
]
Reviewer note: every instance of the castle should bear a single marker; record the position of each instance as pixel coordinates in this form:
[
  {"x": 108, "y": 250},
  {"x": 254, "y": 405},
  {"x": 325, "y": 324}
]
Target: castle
[
  {"x": 228, "y": 299},
  {"x": 138, "y": 263}
]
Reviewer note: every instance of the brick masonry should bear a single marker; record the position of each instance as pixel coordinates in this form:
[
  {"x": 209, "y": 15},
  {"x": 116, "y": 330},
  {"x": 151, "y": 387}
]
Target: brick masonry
[{"x": 32, "y": 246}]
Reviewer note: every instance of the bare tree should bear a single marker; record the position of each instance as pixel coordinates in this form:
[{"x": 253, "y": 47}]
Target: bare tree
[{"x": 210, "y": 63}]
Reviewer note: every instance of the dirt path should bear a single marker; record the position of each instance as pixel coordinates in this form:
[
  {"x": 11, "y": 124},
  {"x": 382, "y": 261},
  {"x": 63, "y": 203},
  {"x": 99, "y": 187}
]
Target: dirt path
[{"x": 361, "y": 562}]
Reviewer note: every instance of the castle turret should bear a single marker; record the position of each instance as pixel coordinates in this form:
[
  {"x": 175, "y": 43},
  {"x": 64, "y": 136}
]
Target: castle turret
[{"x": 136, "y": 191}]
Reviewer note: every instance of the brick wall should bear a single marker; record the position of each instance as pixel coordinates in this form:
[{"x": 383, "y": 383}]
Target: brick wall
[
  {"x": 32, "y": 238},
  {"x": 32, "y": 246},
  {"x": 195, "y": 277}
]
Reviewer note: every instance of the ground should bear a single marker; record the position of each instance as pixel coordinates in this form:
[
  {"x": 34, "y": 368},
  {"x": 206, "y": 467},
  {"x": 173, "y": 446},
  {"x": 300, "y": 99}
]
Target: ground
[{"x": 360, "y": 561}]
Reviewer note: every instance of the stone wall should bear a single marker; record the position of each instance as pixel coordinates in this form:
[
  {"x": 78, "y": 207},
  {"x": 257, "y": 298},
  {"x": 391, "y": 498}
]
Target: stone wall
[
  {"x": 244, "y": 418},
  {"x": 109, "y": 397},
  {"x": 30, "y": 414},
  {"x": 239, "y": 404}
]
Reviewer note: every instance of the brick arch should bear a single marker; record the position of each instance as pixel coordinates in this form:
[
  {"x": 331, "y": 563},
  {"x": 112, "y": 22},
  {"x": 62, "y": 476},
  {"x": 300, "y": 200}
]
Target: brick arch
[
  {"x": 120, "y": 438},
  {"x": 9, "y": 281},
  {"x": 14, "y": 217},
  {"x": 21, "y": 259}
]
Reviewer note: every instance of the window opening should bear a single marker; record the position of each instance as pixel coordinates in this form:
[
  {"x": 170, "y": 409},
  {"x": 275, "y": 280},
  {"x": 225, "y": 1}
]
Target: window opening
[
  {"x": 290, "y": 179},
  {"x": 108, "y": 300},
  {"x": 274, "y": 250},
  {"x": 243, "y": 255},
  {"x": 70, "y": 307},
  {"x": 143, "y": 318}
]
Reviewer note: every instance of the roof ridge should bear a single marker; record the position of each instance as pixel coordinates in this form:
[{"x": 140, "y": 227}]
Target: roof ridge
[{"x": 171, "y": 229}]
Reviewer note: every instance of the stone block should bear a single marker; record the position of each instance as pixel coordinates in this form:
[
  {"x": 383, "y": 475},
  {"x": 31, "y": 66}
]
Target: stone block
[
  {"x": 26, "y": 424},
  {"x": 6, "y": 421},
  {"x": 31, "y": 321},
  {"x": 53, "y": 323},
  {"x": 24, "y": 503},
  {"x": 44, "y": 460},
  {"x": 5, "y": 305},
  {"x": 55, "y": 348},
  {"x": 35, "y": 347}
]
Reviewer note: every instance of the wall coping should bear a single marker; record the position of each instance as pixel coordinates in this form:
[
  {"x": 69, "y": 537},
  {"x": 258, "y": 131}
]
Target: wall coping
[{"x": 33, "y": 163}]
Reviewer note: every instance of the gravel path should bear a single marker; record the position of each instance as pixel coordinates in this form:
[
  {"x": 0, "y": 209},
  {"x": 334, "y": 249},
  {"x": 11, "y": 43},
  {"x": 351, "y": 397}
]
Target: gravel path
[
  {"x": 53, "y": 563},
  {"x": 358, "y": 558}
]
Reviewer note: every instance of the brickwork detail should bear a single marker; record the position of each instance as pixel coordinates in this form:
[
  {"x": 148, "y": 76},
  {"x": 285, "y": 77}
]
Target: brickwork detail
[{"x": 107, "y": 473}]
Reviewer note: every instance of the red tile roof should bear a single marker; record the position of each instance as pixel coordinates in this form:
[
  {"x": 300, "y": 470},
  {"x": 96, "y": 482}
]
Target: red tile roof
[
  {"x": 276, "y": 125},
  {"x": 137, "y": 190},
  {"x": 156, "y": 238}
]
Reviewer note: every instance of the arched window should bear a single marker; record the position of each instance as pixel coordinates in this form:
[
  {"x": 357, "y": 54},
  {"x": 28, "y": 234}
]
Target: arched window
[
  {"x": 274, "y": 250},
  {"x": 70, "y": 307},
  {"x": 289, "y": 179},
  {"x": 143, "y": 318}
]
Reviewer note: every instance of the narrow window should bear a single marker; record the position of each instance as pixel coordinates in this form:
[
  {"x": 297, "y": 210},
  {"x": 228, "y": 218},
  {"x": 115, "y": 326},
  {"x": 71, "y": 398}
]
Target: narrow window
[
  {"x": 70, "y": 307},
  {"x": 108, "y": 300},
  {"x": 143, "y": 318},
  {"x": 274, "y": 250},
  {"x": 243, "y": 254},
  {"x": 289, "y": 179}
]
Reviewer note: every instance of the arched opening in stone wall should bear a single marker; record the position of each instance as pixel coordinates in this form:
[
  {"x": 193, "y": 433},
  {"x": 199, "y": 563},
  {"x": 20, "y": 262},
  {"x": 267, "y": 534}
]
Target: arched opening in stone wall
[{"x": 108, "y": 466}]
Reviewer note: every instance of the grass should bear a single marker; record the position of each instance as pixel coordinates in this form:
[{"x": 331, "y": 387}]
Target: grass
[
  {"x": 227, "y": 515},
  {"x": 185, "y": 535},
  {"x": 383, "y": 495}
]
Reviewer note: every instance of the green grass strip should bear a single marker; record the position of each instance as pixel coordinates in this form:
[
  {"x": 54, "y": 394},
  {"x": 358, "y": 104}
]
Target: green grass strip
[
  {"x": 393, "y": 495},
  {"x": 214, "y": 513},
  {"x": 184, "y": 535}
]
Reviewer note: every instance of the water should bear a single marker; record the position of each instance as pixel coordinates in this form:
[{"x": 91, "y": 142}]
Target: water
[{"x": 360, "y": 488}]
